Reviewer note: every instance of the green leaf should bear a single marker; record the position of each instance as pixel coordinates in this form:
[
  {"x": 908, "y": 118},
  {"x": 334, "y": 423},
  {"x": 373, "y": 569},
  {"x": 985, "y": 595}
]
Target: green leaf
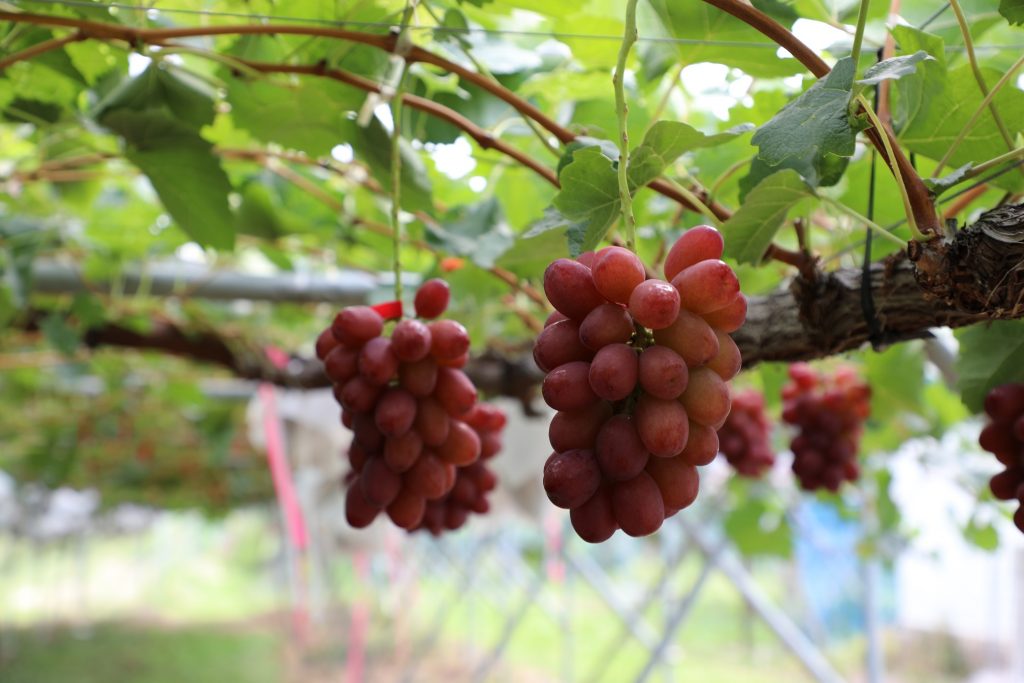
[
  {"x": 93, "y": 59},
  {"x": 257, "y": 214},
  {"x": 813, "y": 135},
  {"x": 758, "y": 530},
  {"x": 59, "y": 334},
  {"x": 310, "y": 117},
  {"x": 983, "y": 536},
  {"x": 893, "y": 68},
  {"x": 665, "y": 142},
  {"x": 990, "y": 355},
  {"x": 183, "y": 98},
  {"x": 478, "y": 231},
  {"x": 750, "y": 230},
  {"x": 712, "y": 35},
  {"x": 940, "y": 185},
  {"x": 183, "y": 171},
  {"x": 1012, "y": 11},
  {"x": 88, "y": 310},
  {"x": 589, "y": 198},
  {"x": 373, "y": 145},
  {"x": 896, "y": 376}
]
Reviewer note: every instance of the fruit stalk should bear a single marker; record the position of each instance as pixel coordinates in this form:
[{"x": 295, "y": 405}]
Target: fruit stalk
[{"x": 622, "y": 109}]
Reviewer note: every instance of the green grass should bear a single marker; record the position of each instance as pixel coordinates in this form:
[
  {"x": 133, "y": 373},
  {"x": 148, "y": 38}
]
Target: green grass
[{"x": 136, "y": 653}]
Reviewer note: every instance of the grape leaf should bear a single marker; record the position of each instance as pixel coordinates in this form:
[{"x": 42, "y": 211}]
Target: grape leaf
[
  {"x": 373, "y": 145},
  {"x": 310, "y": 117},
  {"x": 183, "y": 171},
  {"x": 710, "y": 35},
  {"x": 981, "y": 535},
  {"x": 893, "y": 68},
  {"x": 589, "y": 198},
  {"x": 750, "y": 230},
  {"x": 665, "y": 142},
  {"x": 183, "y": 98},
  {"x": 478, "y": 231},
  {"x": 1012, "y": 11},
  {"x": 758, "y": 530},
  {"x": 813, "y": 135},
  {"x": 990, "y": 355}
]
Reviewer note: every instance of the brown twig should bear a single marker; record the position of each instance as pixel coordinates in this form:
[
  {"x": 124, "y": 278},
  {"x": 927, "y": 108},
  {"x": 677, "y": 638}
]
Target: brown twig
[
  {"x": 963, "y": 201},
  {"x": 40, "y": 48},
  {"x": 921, "y": 201}
]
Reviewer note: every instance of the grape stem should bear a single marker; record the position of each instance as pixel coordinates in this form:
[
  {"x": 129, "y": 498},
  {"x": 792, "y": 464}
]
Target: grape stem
[
  {"x": 629, "y": 37},
  {"x": 858, "y": 37},
  {"x": 402, "y": 46}
]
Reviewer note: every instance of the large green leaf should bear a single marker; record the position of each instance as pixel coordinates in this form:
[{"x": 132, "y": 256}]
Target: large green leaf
[
  {"x": 750, "y": 230},
  {"x": 184, "y": 98},
  {"x": 589, "y": 198},
  {"x": 933, "y": 105},
  {"x": 990, "y": 355},
  {"x": 712, "y": 35},
  {"x": 311, "y": 117},
  {"x": 478, "y": 231},
  {"x": 183, "y": 171},
  {"x": 665, "y": 142},
  {"x": 813, "y": 135},
  {"x": 893, "y": 68},
  {"x": 1012, "y": 10}
]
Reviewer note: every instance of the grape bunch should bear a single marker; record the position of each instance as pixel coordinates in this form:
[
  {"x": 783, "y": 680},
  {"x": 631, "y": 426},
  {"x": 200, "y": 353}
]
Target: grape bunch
[
  {"x": 830, "y": 412},
  {"x": 406, "y": 400},
  {"x": 1004, "y": 437},
  {"x": 637, "y": 370},
  {"x": 472, "y": 482},
  {"x": 745, "y": 438}
]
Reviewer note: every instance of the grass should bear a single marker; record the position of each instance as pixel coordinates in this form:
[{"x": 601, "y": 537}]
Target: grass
[{"x": 138, "y": 653}]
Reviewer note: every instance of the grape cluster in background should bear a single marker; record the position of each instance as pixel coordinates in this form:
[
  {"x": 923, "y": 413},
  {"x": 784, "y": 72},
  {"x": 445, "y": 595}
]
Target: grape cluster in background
[
  {"x": 637, "y": 368},
  {"x": 745, "y": 438},
  {"x": 409, "y": 406},
  {"x": 1003, "y": 436},
  {"x": 829, "y": 411}
]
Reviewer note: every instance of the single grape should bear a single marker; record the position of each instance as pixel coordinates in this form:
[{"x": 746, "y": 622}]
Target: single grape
[
  {"x": 731, "y": 317},
  {"x": 357, "y": 457},
  {"x": 606, "y": 324},
  {"x": 431, "y": 299},
  {"x": 455, "y": 391},
  {"x": 700, "y": 243},
  {"x": 462, "y": 445},
  {"x": 554, "y": 317},
  {"x": 395, "y": 412},
  {"x": 458, "y": 362},
  {"x": 570, "y": 288},
  {"x": 654, "y": 304},
  {"x": 559, "y": 344},
  {"x": 359, "y": 512},
  {"x": 448, "y": 339},
  {"x": 366, "y": 434},
  {"x": 690, "y": 337},
  {"x": 410, "y": 340},
  {"x": 706, "y": 398},
  {"x": 418, "y": 378},
  {"x": 490, "y": 444},
  {"x": 613, "y": 372},
  {"x": 358, "y": 395},
  {"x": 432, "y": 422},
  {"x": 637, "y": 505},
  {"x": 455, "y": 518},
  {"x": 1005, "y": 402},
  {"x": 341, "y": 363},
  {"x": 406, "y": 511},
  {"x": 616, "y": 271},
  {"x": 325, "y": 343},
  {"x": 662, "y": 425},
  {"x": 1004, "y": 485},
  {"x": 571, "y": 478},
  {"x": 728, "y": 362},
  {"x": 594, "y": 521},
  {"x": 400, "y": 452},
  {"x": 578, "y": 428},
  {"x": 662, "y": 372},
  {"x": 677, "y": 481},
  {"x": 701, "y": 445},
  {"x": 619, "y": 451},
  {"x": 356, "y": 325},
  {"x": 587, "y": 258},
  {"x": 377, "y": 362},
  {"x": 567, "y": 387},
  {"x": 427, "y": 477},
  {"x": 378, "y": 483},
  {"x": 706, "y": 286}
]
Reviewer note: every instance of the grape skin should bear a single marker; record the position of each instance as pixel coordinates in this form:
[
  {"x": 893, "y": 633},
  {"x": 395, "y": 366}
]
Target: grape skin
[
  {"x": 654, "y": 304},
  {"x": 691, "y": 337},
  {"x": 571, "y": 478},
  {"x": 570, "y": 288},
  {"x": 707, "y": 286},
  {"x": 613, "y": 372},
  {"x": 706, "y": 398},
  {"x": 616, "y": 272},
  {"x": 578, "y": 428},
  {"x": 606, "y": 324},
  {"x": 638, "y": 506},
  {"x": 410, "y": 340},
  {"x": 356, "y": 325},
  {"x": 567, "y": 387},
  {"x": 619, "y": 451},
  {"x": 662, "y": 425},
  {"x": 432, "y": 298},
  {"x": 594, "y": 521},
  {"x": 558, "y": 344},
  {"x": 700, "y": 243},
  {"x": 662, "y": 372}
]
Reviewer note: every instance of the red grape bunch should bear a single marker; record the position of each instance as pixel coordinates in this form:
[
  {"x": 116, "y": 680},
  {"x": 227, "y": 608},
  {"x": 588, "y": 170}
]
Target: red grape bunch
[
  {"x": 1004, "y": 437},
  {"x": 745, "y": 438},
  {"x": 472, "y": 482},
  {"x": 637, "y": 370},
  {"x": 406, "y": 401},
  {"x": 830, "y": 412}
]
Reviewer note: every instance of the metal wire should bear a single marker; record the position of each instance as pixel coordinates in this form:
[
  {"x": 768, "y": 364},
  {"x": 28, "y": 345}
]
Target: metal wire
[{"x": 455, "y": 30}]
